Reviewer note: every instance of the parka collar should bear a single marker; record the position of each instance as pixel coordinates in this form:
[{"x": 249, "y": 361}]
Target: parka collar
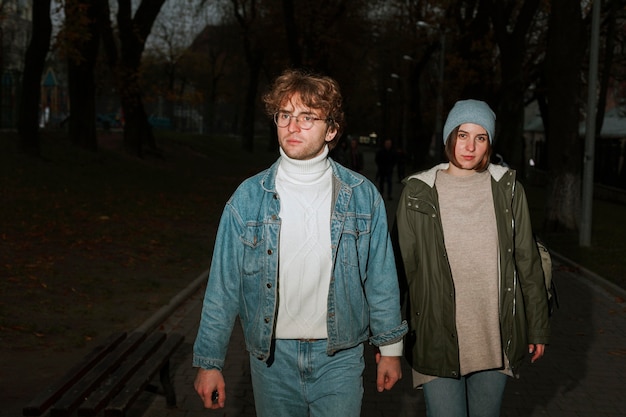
[{"x": 428, "y": 177}]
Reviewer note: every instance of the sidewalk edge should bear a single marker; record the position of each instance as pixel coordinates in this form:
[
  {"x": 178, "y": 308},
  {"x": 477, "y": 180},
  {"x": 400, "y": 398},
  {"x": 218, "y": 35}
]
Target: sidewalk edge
[
  {"x": 164, "y": 312},
  {"x": 607, "y": 285}
]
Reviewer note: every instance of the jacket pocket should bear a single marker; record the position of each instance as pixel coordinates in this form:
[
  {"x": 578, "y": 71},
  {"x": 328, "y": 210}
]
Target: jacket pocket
[
  {"x": 356, "y": 233},
  {"x": 253, "y": 240}
]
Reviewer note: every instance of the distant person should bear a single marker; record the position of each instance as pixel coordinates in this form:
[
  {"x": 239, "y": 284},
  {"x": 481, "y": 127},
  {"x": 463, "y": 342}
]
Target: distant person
[
  {"x": 340, "y": 153},
  {"x": 355, "y": 156},
  {"x": 385, "y": 161},
  {"x": 303, "y": 257},
  {"x": 476, "y": 288}
]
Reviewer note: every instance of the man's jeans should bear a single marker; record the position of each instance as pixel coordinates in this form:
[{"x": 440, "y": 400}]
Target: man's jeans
[
  {"x": 475, "y": 395},
  {"x": 302, "y": 380}
]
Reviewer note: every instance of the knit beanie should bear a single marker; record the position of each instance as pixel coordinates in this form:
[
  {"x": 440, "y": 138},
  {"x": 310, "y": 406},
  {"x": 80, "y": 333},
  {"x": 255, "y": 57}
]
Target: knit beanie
[{"x": 470, "y": 111}]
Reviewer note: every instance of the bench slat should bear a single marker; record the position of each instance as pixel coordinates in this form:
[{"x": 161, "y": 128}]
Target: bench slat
[
  {"x": 54, "y": 391},
  {"x": 159, "y": 361},
  {"x": 68, "y": 403},
  {"x": 114, "y": 383}
]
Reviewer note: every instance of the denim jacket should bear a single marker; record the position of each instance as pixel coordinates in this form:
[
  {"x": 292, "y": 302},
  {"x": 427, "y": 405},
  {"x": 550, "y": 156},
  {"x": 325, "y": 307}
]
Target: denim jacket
[{"x": 363, "y": 299}]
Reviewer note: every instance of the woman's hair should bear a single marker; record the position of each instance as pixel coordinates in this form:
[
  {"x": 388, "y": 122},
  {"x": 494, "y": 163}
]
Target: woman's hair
[
  {"x": 451, "y": 144},
  {"x": 316, "y": 92}
]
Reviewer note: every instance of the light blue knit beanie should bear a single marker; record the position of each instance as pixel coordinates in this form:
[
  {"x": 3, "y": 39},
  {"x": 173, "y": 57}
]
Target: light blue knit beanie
[{"x": 470, "y": 111}]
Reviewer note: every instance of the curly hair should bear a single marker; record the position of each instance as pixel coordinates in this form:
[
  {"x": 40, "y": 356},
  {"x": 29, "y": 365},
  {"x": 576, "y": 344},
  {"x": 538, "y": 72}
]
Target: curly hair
[{"x": 316, "y": 92}]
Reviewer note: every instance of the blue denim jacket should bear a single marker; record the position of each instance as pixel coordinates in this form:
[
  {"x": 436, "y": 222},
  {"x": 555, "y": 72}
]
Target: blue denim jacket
[{"x": 363, "y": 299}]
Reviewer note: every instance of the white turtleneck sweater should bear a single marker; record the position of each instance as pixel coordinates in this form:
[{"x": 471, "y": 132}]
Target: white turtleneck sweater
[{"x": 305, "y": 266}]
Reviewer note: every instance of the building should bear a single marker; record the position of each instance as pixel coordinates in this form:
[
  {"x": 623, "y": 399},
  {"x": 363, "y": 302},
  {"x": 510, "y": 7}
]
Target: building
[{"x": 610, "y": 145}]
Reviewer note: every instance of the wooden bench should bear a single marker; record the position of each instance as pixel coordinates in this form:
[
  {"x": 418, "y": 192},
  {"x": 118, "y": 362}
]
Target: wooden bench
[{"x": 111, "y": 377}]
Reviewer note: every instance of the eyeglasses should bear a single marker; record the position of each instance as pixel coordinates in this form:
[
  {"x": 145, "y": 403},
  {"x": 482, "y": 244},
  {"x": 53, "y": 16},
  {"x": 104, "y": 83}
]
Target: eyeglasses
[{"x": 304, "y": 120}]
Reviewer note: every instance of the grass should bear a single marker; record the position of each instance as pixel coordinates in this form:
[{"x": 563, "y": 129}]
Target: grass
[
  {"x": 606, "y": 256},
  {"x": 96, "y": 242}
]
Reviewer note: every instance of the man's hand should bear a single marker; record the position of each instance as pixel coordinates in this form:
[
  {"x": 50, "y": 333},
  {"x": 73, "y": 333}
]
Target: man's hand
[
  {"x": 389, "y": 371},
  {"x": 537, "y": 351},
  {"x": 209, "y": 383}
]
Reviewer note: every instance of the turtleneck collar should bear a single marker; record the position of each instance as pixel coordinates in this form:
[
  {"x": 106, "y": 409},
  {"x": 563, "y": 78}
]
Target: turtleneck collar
[{"x": 308, "y": 170}]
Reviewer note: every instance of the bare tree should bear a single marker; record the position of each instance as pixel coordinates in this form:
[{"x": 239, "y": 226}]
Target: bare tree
[
  {"x": 312, "y": 35},
  {"x": 615, "y": 11},
  {"x": 413, "y": 40},
  {"x": 512, "y": 23},
  {"x": 317, "y": 29},
  {"x": 85, "y": 21},
  {"x": 254, "y": 51},
  {"x": 213, "y": 55},
  {"x": 291, "y": 30},
  {"x": 133, "y": 32},
  {"x": 564, "y": 55},
  {"x": 169, "y": 52},
  {"x": 28, "y": 126}
]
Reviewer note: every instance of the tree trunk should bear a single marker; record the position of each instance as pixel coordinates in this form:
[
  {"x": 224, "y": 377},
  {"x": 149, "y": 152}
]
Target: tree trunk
[
  {"x": 133, "y": 34},
  {"x": 607, "y": 64},
  {"x": 510, "y": 137},
  {"x": 254, "y": 68},
  {"x": 81, "y": 83},
  {"x": 422, "y": 135},
  {"x": 28, "y": 117},
  {"x": 291, "y": 30},
  {"x": 512, "y": 43},
  {"x": 254, "y": 55},
  {"x": 565, "y": 51},
  {"x": 82, "y": 121}
]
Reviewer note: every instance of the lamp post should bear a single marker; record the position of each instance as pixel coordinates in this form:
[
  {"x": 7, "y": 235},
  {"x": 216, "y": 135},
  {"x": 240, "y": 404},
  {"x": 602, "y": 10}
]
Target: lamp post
[{"x": 587, "y": 184}]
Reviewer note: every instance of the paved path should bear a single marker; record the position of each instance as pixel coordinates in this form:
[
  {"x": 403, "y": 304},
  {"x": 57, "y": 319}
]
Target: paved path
[{"x": 582, "y": 373}]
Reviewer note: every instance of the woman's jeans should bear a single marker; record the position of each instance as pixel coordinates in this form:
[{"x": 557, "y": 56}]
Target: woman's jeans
[
  {"x": 300, "y": 379},
  {"x": 475, "y": 395}
]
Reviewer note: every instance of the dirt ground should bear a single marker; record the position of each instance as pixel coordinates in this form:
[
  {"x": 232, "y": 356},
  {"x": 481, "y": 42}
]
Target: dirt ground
[{"x": 93, "y": 244}]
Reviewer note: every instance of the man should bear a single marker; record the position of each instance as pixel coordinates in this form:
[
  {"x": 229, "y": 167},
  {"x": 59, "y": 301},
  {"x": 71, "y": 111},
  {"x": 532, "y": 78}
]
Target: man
[
  {"x": 303, "y": 256},
  {"x": 356, "y": 156}
]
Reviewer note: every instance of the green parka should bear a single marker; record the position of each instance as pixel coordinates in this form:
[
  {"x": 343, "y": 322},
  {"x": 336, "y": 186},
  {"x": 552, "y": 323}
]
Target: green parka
[{"x": 432, "y": 346}]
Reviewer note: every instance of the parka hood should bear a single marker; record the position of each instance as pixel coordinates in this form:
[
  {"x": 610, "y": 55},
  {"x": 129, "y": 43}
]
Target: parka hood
[{"x": 428, "y": 177}]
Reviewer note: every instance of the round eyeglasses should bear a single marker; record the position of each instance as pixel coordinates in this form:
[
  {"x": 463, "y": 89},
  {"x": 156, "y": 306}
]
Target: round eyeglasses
[{"x": 304, "y": 120}]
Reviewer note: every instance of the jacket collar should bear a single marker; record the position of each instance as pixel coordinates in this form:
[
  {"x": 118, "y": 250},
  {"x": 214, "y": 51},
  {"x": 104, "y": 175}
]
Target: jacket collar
[
  {"x": 343, "y": 175},
  {"x": 428, "y": 177}
]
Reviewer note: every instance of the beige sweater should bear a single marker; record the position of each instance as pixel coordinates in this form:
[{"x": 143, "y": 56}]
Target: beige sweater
[{"x": 471, "y": 240}]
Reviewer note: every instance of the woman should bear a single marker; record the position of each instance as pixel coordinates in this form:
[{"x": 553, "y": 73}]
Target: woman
[{"x": 476, "y": 289}]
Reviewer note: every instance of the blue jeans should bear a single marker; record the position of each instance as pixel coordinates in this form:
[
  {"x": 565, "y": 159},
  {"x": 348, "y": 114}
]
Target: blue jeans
[
  {"x": 301, "y": 380},
  {"x": 475, "y": 395}
]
